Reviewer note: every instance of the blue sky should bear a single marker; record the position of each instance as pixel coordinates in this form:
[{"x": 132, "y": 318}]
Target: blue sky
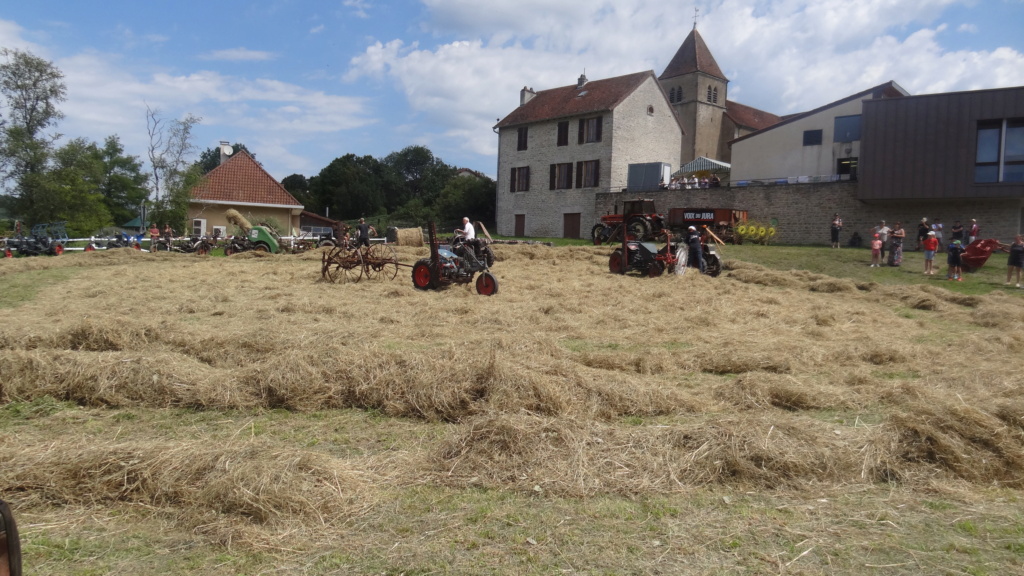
[{"x": 304, "y": 82}]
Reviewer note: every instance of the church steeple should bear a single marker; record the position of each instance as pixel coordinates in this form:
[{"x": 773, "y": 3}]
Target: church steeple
[{"x": 693, "y": 56}]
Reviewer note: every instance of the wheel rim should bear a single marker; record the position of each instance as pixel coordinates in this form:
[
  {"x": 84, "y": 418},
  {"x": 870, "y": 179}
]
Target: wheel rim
[
  {"x": 421, "y": 275},
  {"x": 486, "y": 285},
  {"x": 262, "y": 248},
  {"x": 90, "y": 248},
  {"x": 615, "y": 262},
  {"x": 345, "y": 267},
  {"x": 655, "y": 269},
  {"x": 383, "y": 261},
  {"x": 58, "y": 250}
]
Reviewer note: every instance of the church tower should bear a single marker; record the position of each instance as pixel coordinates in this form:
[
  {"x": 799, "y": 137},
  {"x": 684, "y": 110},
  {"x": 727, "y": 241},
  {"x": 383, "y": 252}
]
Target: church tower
[{"x": 697, "y": 90}]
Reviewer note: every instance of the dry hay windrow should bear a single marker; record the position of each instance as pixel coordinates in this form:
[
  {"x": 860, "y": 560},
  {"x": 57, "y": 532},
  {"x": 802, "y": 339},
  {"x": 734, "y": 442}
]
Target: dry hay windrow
[{"x": 739, "y": 374}]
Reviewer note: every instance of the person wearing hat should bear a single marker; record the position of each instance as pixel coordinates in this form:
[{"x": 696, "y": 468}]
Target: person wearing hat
[
  {"x": 937, "y": 228},
  {"x": 876, "y": 251},
  {"x": 694, "y": 256},
  {"x": 837, "y": 225},
  {"x": 930, "y": 245},
  {"x": 973, "y": 232},
  {"x": 953, "y": 253},
  {"x": 922, "y": 232}
]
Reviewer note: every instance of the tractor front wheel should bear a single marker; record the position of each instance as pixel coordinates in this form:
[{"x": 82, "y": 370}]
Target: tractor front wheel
[
  {"x": 261, "y": 247},
  {"x": 657, "y": 268},
  {"x": 486, "y": 284},
  {"x": 421, "y": 276},
  {"x": 597, "y": 234},
  {"x": 616, "y": 262}
]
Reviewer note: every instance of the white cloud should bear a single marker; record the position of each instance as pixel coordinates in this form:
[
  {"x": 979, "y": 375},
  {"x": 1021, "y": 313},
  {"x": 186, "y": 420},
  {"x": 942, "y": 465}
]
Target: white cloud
[
  {"x": 238, "y": 54},
  {"x": 359, "y": 7},
  {"x": 783, "y": 56},
  {"x": 317, "y": 29}
]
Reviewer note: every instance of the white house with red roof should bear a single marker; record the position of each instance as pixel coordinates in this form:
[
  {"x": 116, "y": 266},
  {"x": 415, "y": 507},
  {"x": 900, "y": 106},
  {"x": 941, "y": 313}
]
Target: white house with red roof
[{"x": 241, "y": 183}]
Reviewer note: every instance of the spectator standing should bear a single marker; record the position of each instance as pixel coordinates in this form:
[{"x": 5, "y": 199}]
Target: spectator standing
[
  {"x": 1016, "y": 261},
  {"x": 836, "y": 227},
  {"x": 876, "y": 252},
  {"x": 883, "y": 234},
  {"x": 154, "y": 234},
  {"x": 930, "y": 245},
  {"x": 896, "y": 245},
  {"x": 937, "y": 228},
  {"x": 973, "y": 232},
  {"x": 953, "y": 253},
  {"x": 715, "y": 181},
  {"x": 958, "y": 231},
  {"x": 922, "y": 232}
]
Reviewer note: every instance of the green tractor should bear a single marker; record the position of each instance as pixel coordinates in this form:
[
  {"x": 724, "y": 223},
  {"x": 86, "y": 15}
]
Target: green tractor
[{"x": 258, "y": 238}]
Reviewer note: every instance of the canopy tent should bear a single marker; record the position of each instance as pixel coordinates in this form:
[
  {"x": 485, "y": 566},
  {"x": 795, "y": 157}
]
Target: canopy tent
[{"x": 704, "y": 164}]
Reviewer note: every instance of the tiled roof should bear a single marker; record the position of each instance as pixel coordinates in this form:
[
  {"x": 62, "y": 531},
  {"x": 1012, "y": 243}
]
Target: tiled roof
[
  {"x": 241, "y": 179},
  {"x": 596, "y": 96},
  {"x": 692, "y": 56},
  {"x": 748, "y": 117}
]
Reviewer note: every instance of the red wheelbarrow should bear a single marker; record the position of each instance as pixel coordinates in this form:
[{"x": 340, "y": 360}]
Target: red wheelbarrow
[{"x": 977, "y": 253}]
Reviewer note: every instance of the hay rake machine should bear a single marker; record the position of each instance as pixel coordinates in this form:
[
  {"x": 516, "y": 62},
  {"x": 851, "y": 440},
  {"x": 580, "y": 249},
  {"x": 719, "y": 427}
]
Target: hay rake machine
[{"x": 351, "y": 263}]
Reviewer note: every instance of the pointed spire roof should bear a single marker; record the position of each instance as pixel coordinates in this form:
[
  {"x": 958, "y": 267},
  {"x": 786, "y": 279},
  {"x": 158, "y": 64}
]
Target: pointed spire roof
[{"x": 693, "y": 56}]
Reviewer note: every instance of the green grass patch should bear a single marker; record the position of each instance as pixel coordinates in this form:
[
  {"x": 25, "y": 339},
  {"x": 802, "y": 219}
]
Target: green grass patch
[{"x": 19, "y": 288}]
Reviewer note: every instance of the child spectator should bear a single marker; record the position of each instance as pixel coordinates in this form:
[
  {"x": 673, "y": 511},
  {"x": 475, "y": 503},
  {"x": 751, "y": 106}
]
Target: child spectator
[
  {"x": 930, "y": 245},
  {"x": 876, "y": 252},
  {"x": 953, "y": 253}
]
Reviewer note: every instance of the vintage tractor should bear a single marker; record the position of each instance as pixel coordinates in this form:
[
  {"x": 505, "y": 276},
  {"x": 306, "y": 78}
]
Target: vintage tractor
[
  {"x": 456, "y": 263},
  {"x": 639, "y": 221},
  {"x": 43, "y": 239},
  {"x": 648, "y": 260}
]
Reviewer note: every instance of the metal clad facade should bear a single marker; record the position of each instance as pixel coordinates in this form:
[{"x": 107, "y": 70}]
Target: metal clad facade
[{"x": 924, "y": 147}]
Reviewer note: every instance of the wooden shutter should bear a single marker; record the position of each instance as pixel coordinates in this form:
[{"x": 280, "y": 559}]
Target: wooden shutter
[
  {"x": 512, "y": 181},
  {"x": 582, "y": 128},
  {"x": 600, "y": 122},
  {"x": 579, "y": 174},
  {"x": 551, "y": 185},
  {"x": 597, "y": 168}
]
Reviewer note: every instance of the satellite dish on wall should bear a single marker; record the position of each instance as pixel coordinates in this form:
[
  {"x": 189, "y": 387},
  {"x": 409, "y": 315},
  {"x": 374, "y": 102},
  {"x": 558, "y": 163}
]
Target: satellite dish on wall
[{"x": 226, "y": 150}]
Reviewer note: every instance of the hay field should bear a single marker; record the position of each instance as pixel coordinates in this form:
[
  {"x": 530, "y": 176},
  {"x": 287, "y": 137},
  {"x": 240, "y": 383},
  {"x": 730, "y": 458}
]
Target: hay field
[{"x": 167, "y": 413}]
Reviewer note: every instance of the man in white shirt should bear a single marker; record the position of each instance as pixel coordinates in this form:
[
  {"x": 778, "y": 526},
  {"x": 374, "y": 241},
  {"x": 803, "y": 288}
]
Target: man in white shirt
[{"x": 468, "y": 232}]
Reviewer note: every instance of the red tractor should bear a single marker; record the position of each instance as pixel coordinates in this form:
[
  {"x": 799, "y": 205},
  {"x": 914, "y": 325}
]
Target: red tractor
[{"x": 639, "y": 221}]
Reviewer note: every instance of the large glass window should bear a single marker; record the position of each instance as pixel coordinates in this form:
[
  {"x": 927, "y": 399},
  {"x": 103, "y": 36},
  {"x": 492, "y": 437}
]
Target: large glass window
[
  {"x": 1000, "y": 153},
  {"x": 847, "y": 129},
  {"x": 812, "y": 137}
]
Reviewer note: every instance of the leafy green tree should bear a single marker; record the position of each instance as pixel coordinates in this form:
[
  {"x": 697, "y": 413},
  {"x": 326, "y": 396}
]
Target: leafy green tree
[
  {"x": 351, "y": 186},
  {"x": 31, "y": 89},
  {"x": 467, "y": 196},
  {"x": 298, "y": 186},
  {"x": 210, "y": 158},
  {"x": 124, "y": 184},
  {"x": 421, "y": 174},
  {"x": 73, "y": 188}
]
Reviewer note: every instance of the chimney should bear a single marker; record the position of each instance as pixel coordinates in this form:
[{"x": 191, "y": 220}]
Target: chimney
[
  {"x": 525, "y": 95},
  {"x": 225, "y": 151},
  {"x": 582, "y": 80}
]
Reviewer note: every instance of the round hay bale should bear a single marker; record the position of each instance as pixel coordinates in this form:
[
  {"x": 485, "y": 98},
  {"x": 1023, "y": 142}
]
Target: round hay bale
[{"x": 408, "y": 237}]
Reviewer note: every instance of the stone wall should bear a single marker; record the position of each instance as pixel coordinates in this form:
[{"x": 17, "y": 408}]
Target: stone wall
[{"x": 804, "y": 211}]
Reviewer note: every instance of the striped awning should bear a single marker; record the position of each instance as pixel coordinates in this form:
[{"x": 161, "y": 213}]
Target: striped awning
[{"x": 705, "y": 164}]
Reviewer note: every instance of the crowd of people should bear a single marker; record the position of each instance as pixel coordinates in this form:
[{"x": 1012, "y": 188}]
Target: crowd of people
[
  {"x": 692, "y": 183},
  {"x": 930, "y": 240}
]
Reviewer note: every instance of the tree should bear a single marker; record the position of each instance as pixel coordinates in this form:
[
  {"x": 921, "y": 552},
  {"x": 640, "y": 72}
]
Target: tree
[
  {"x": 467, "y": 196},
  {"x": 421, "y": 174},
  {"x": 298, "y": 186},
  {"x": 350, "y": 186},
  {"x": 31, "y": 89},
  {"x": 172, "y": 173},
  {"x": 124, "y": 184},
  {"x": 210, "y": 158},
  {"x": 74, "y": 187}
]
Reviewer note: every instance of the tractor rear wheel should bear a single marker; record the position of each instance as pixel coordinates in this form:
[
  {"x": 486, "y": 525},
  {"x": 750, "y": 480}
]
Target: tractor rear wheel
[
  {"x": 639, "y": 228},
  {"x": 712, "y": 265},
  {"x": 657, "y": 268},
  {"x": 486, "y": 284},
  {"x": 261, "y": 247},
  {"x": 421, "y": 276},
  {"x": 616, "y": 262}
]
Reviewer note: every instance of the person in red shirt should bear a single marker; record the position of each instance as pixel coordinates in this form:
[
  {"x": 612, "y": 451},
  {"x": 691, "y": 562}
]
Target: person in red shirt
[
  {"x": 930, "y": 245},
  {"x": 876, "y": 252}
]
